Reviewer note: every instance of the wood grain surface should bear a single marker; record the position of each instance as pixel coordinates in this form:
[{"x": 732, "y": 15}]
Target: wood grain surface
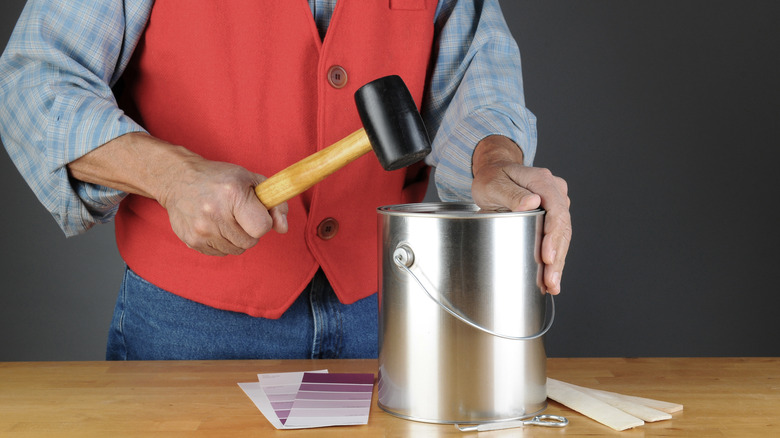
[{"x": 722, "y": 397}]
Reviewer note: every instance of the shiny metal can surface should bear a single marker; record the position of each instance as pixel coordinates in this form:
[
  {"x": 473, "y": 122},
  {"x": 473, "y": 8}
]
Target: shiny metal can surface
[{"x": 461, "y": 313}]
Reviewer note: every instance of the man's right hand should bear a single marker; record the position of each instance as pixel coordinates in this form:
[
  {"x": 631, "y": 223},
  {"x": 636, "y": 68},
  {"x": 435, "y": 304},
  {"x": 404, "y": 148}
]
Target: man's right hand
[{"x": 211, "y": 205}]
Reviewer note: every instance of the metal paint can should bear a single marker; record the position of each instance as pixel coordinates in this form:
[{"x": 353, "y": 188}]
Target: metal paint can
[{"x": 462, "y": 313}]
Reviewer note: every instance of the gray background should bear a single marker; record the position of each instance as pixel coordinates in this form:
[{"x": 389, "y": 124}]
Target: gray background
[{"x": 661, "y": 115}]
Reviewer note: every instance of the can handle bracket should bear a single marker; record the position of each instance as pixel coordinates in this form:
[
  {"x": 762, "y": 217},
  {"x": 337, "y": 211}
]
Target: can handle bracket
[{"x": 403, "y": 256}]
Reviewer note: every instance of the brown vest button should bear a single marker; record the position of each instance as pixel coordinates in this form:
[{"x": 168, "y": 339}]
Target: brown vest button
[
  {"x": 327, "y": 229},
  {"x": 337, "y": 76}
]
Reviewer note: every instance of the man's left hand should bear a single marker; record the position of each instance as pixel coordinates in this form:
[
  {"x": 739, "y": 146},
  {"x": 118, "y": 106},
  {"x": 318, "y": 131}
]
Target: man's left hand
[{"x": 501, "y": 181}]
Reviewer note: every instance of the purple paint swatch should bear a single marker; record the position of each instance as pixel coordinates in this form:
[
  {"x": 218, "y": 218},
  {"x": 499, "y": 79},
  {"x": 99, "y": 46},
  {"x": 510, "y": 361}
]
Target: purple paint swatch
[
  {"x": 333, "y": 398},
  {"x": 356, "y": 378}
]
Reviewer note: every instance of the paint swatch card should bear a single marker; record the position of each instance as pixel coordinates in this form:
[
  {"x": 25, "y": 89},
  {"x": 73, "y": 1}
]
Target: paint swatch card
[{"x": 312, "y": 399}]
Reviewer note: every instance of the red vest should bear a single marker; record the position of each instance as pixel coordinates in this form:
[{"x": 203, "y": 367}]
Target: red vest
[{"x": 246, "y": 82}]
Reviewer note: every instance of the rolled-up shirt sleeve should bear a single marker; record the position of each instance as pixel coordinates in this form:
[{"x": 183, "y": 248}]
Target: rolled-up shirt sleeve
[
  {"x": 476, "y": 90},
  {"x": 56, "y": 100}
]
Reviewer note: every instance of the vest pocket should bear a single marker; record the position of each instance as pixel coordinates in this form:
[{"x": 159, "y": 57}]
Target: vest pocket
[{"x": 407, "y": 5}]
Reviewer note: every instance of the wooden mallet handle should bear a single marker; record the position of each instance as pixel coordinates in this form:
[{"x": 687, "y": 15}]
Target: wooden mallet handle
[{"x": 302, "y": 175}]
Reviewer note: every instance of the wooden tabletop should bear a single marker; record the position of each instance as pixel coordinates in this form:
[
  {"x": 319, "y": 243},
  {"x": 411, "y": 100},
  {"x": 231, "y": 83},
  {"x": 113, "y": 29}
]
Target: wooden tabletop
[{"x": 722, "y": 397}]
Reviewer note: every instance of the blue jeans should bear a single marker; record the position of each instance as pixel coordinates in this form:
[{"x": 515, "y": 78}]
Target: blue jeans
[{"x": 150, "y": 323}]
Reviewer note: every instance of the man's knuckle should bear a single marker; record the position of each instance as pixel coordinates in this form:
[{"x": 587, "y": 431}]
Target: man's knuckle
[
  {"x": 544, "y": 174},
  {"x": 201, "y": 229},
  {"x": 231, "y": 188},
  {"x": 563, "y": 186},
  {"x": 208, "y": 208},
  {"x": 237, "y": 250}
]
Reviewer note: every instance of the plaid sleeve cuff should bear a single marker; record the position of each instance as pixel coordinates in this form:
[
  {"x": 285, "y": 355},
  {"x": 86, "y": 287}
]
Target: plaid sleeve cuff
[
  {"x": 453, "y": 151},
  {"x": 81, "y": 123}
]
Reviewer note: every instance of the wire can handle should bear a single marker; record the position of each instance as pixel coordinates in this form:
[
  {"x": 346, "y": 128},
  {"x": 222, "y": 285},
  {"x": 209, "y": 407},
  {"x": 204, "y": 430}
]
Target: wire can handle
[{"x": 403, "y": 256}]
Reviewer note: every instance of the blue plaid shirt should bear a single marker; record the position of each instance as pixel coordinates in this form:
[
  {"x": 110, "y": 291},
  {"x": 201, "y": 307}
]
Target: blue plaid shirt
[{"x": 64, "y": 56}]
